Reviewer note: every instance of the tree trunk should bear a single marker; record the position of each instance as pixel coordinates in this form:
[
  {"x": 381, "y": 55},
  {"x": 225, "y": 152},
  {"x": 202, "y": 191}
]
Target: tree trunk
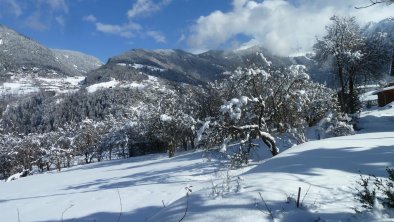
[
  {"x": 171, "y": 149},
  {"x": 184, "y": 143},
  {"x": 352, "y": 97},
  {"x": 130, "y": 149},
  {"x": 123, "y": 152},
  {"x": 341, "y": 94},
  {"x": 58, "y": 165},
  {"x": 192, "y": 142},
  {"x": 270, "y": 143},
  {"x": 86, "y": 158},
  {"x": 392, "y": 65}
]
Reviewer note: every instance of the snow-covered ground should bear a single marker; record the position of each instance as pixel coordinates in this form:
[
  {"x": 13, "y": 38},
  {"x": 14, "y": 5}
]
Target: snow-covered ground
[
  {"x": 31, "y": 84},
  {"x": 102, "y": 85},
  {"x": 151, "y": 82},
  {"x": 326, "y": 171}
]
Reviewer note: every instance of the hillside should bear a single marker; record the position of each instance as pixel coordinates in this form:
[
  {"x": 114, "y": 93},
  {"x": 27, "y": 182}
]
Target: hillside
[
  {"x": 325, "y": 169},
  {"x": 26, "y": 66},
  {"x": 179, "y": 66}
]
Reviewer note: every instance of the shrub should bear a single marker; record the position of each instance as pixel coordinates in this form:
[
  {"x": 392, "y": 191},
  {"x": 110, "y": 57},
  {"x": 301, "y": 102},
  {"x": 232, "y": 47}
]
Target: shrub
[{"x": 376, "y": 189}]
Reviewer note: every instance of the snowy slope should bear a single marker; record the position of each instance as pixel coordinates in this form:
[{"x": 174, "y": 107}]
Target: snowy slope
[
  {"x": 79, "y": 61},
  {"x": 30, "y": 84},
  {"x": 143, "y": 183},
  {"x": 327, "y": 168}
]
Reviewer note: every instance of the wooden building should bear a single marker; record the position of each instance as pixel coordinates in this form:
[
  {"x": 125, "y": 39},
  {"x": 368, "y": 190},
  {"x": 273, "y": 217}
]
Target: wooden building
[{"x": 385, "y": 95}]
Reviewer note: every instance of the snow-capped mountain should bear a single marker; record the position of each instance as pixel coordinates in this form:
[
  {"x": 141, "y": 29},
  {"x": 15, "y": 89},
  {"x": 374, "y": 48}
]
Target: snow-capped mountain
[
  {"x": 384, "y": 26},
  {"x": 173, "y": 65},
  {"x": 27, "y": 66},
  {"x": 183, "y": 67},
  {"x": 81, "y": 62}
]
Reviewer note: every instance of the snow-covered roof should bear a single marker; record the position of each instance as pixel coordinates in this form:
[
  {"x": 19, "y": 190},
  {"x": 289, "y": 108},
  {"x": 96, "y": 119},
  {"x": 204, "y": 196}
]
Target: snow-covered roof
[{"x": 383, "y": 90}]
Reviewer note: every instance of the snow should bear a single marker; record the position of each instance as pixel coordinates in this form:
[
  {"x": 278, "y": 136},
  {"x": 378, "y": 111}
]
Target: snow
[
  {"x": 265, "y": 61},
  {"x": 384, "y": 89},
  {"x": 165, "y": 51},
  {"x": 30, "y": 84},
  {"x": 14, "y": 177},
  {"x": 143, "y": 183},
  {"x": 165, "y": 118},
  {"x": 102, "y": 85},
  {"x": 326, "y": 170},
  {"x": 15, "y": 88},
  {"x": 368, "y": 96},
  {"x": 152, "y": 68},
  {"x": 248, "y": 45},
  {"x": 378, "y": 119},
  {"x": 233, "y": 107},
  {"x": 151, "y": 82},
  {"x": 134, "y": 85},
  {"x": 202, "y": 130},
  {"x": 1, "y": 42}
]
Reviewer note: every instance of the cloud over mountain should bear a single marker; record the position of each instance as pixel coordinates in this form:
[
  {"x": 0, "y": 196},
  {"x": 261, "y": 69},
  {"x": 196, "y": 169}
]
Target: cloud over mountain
[{"x": 285, "y": 27}]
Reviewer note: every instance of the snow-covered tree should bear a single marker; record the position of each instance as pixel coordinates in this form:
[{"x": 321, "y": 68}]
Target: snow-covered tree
[
  {"x": 343, "y": 46},
  {"x": 355, "y": 56},
  {"x": 87, "y": 139},
  {"x": 260, "y": 102}
]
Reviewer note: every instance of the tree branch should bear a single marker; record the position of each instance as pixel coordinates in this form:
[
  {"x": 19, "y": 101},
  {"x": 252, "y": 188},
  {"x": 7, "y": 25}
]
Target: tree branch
[{"x": 371, "y": 4}]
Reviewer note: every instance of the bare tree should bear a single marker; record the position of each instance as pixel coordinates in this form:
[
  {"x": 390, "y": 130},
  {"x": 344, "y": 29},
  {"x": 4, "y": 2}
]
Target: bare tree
[{"x": 375, "y": 2}]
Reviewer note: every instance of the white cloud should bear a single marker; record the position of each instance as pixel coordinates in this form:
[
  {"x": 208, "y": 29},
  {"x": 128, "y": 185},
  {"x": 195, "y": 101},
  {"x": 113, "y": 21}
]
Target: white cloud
[
  {"x": 10, "y": 7},
  {"x": 34, "y": 22},
  {"x": 141, "y": 8},
  {"x": 146, "y": 8},
  {"x": 61, "y": 20},
  {"x": 45, "y": 13},
  {"x": 125, "y": 30},
  {"x": 157, "y": 36},
  {"x": 182, "y": 38},
  {"x": 90, "y": 18},
  {"x": 55, "y": 5},
  {"x": 279, "y": 25}
]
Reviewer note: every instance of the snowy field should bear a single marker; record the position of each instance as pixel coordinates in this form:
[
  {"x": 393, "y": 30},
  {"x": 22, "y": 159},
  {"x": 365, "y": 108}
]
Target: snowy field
[
  {"x": 152, "y": 188},
  {"x": 29, "y": 84}
]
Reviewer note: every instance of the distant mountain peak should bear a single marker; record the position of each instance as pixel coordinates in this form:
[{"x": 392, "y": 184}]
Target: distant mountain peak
[{"x": 20, "y": 54}]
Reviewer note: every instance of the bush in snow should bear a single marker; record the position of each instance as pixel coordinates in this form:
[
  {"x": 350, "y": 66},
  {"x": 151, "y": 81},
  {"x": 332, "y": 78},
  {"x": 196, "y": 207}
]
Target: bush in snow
[
  {"x": 335, "y": 124},
  {"x": 373, "y": 191}
]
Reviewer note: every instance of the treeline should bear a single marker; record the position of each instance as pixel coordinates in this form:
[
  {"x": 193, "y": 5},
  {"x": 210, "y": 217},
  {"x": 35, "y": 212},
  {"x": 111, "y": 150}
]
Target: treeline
[{"x": 46, "y": 130}]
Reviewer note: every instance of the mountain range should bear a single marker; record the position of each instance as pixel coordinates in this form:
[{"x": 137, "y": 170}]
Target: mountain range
[{"x": 27, "y": 66}]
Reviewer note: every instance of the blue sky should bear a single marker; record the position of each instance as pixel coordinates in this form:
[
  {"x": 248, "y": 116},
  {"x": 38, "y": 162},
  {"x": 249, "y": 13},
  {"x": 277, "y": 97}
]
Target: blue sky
[
  {"x": 67, "y": 25},
  {"x": 105, "y": 28}
]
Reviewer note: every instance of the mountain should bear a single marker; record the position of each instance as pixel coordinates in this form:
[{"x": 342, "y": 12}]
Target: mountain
[
  {"x": 172, "y": 65},
  {"x": 81, "y": 62},
  {"x": 27, "y": 66},
  {"x": 384, "y": 26},
  {"x": 20, "y": 54},
  {"x": 183, "y": 67}
]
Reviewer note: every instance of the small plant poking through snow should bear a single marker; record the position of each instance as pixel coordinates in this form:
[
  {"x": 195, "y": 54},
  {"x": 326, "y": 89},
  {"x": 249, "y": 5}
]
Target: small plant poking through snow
[
  {"x": 188, "y": 192},
  {"x": 376, "y": 194}
]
